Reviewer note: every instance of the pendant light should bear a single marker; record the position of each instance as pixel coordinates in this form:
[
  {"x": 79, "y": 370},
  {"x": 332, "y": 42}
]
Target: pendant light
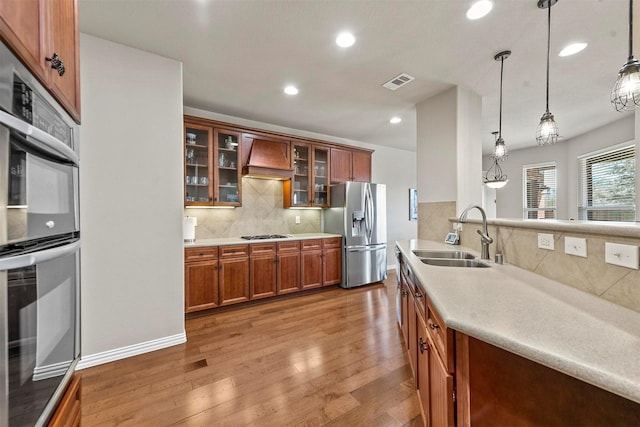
[
  {"x": 500, "y": 149},
  {"x": 494, "y": 178},
  {"x": 625, "y": 95},
  {"x": 547, "y": 132}
]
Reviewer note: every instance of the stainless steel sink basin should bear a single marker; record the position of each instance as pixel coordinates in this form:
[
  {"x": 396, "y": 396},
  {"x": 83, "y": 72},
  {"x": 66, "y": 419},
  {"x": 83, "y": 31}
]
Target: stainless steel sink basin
[
  {"x": 444, "y": 262},
  {"x": 444, "y": 254}
]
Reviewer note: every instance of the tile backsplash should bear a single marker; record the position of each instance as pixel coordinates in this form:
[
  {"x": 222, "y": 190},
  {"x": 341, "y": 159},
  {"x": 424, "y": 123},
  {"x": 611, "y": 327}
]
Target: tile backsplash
[
  {"x": 261, "y": 213},
  {"x": 519, "y": 247}
]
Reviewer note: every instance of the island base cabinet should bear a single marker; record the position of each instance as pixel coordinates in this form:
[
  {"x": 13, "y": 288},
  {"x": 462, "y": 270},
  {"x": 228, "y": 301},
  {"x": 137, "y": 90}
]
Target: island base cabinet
[
  {"x": 234, "y": 280},
  {"x": 499, "y": 388},
  {"x": 423, "y": 381},
  {"x": 441, "y": 391}
]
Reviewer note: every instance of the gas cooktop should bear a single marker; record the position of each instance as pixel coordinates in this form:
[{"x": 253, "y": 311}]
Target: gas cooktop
[{"x": 264, "y": 236}]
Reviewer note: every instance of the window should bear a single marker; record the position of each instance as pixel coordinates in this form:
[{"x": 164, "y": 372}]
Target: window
[
  {"x": 607, "y": 185},
  {"x": 539, "y": 191}
]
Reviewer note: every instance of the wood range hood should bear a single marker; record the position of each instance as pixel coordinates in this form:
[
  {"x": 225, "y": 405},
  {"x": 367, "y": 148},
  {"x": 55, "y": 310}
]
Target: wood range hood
[{"x": 269, "y": 159}]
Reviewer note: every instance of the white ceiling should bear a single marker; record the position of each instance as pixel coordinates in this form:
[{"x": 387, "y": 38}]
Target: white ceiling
[{"x": 239, "y": 54}]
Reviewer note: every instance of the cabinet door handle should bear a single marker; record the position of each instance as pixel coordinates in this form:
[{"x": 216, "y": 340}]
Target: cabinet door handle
[
  {"x": 404, "y": 293},
  {"x": 419, "y": 295},
  {"x": 433, "y": 326},
  {"x": 56, "y": 63},
  {"x": 422, "y": 344}
]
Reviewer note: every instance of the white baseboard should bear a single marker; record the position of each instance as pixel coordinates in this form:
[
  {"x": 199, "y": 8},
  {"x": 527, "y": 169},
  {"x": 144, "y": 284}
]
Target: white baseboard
[{"x": 131, "y": 350}]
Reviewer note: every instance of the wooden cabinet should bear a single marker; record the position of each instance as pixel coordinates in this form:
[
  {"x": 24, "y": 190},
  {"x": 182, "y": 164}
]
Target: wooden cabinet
[
  {"x": 67, "y": 413},
  {"x": 39, "y": 29},
  {"x": 331, "y": 261},
  {"x": 198, "y": 158},
  {"x": 234, "y": 274},
  {"x": 263, "y": 270},
  {"x": 211, "y": 168},
  {"x": 230, "y": 274},
  {"x": 227, "y": 181},
  {"x": 288, "y": 267},
  {"x": 201, "y": 278},
  {"x": 310, "y": 183},
  {"x": 423, "y": 382},
  {"x": 350, "y": 165},
  {"x": 311, "y": 263}
]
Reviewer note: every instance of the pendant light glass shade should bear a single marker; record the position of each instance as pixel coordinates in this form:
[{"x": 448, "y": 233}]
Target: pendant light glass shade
[
  {"x": 547, "y": 132},
  {"x": 494, "y": 178},
  {"x": 625, "y": 95},
  {"x": 500, "y": 151}
]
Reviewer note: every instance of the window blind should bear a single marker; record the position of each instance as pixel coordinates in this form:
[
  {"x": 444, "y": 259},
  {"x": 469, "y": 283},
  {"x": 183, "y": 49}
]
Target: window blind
[
  {"x": 608, "y": 185},
  {"x": 539, "y": 191}
]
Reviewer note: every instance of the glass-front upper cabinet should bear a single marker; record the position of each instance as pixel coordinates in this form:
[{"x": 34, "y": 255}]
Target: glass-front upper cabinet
[
  {"x": 227, "y": 158},
  {"x": 321, "y": 176},
  {"x": 198, "y": 156},
  {"x": 309, "y": 186}
]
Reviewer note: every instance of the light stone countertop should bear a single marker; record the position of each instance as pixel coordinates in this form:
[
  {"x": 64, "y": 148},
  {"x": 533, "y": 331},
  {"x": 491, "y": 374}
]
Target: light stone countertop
[
  {"x": 238, "y": 241},
  {"x": 540, "y": 319}
]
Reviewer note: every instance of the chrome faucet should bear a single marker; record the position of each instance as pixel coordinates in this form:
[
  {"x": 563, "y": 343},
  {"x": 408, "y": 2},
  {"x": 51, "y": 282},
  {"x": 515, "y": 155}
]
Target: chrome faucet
[{"x": 485, "y": 240}]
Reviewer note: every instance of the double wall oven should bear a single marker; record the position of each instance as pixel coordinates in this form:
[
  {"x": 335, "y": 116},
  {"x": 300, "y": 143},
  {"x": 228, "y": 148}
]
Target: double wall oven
[{"x": 39, "y": 248}]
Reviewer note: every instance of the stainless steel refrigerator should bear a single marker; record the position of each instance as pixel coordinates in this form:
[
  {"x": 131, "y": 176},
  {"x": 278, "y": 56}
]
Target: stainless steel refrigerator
[{"x": 358, "y": 213}]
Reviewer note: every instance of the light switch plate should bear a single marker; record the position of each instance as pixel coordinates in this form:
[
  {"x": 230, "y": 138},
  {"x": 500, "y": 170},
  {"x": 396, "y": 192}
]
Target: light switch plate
[
  {"x": 622, "y": 255},
  {"x": 545, "y": 241},
  {"x": 297, "y": 219},
  {"x": 575, "y": 246}
]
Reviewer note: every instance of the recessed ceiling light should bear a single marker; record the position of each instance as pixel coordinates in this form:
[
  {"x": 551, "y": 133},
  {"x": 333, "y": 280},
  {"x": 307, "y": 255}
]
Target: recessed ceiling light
[
  {"x": 572, "y": 49},
  {"x": 479, "y": 9},
  {"x": 345, "y": 39},
  {"x": 291, "y": 90},
  {"x": 395, "y": 120}
]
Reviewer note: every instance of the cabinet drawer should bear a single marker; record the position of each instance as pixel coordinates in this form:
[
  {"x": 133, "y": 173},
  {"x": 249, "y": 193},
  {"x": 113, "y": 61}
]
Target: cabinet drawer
[
  {"x": 333, "y": 242},
  {"x": 441, "y": 336},
  {"x": 293, "y": 246},
  {"x": 311, "y": 244},
  {"x": 234, "y": 251},
  {"x": 262, "y": 248},
  {"x": 201, "y": 254}
]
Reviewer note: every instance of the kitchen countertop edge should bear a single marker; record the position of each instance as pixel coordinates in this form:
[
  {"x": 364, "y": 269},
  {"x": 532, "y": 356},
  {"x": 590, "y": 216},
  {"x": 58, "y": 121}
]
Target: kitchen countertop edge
[
  {"x": 537, "y": 318},
  {"x": 223, "y": 241}
]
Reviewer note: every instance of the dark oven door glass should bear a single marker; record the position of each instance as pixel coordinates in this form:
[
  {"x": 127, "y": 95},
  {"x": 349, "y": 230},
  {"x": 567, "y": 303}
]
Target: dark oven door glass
[{"x": 39, "y": 321}]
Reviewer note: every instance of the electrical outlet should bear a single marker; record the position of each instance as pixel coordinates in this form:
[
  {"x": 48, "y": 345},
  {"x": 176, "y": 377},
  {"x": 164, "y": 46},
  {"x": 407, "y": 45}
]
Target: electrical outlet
[
  {"x": 575, "y": 246},
  {"x": 623, "y": 255},
  {"x": 545, "y": 241},
  {"x": 297, "y": 219}
]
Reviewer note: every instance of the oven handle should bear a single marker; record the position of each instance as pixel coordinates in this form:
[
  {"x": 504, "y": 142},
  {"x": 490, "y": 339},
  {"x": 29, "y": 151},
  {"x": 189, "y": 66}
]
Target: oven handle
[
  {"x": 45, "y": 142},
  {"x": 34, "y": 258}
]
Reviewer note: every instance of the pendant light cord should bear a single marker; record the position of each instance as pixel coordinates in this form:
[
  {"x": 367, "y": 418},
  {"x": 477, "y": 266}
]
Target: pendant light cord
[
  {"x": 500, "y": 121},
  {"x": 630, "y": 30},
  {"x": 548, "y": 49}
]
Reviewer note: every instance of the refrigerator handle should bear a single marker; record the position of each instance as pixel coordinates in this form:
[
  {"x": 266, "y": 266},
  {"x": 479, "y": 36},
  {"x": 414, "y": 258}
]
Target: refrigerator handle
[{"x": 369, "y": 213}]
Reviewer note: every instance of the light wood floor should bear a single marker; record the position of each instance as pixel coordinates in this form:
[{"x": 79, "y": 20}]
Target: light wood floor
[{"x": 331, "y": 358}]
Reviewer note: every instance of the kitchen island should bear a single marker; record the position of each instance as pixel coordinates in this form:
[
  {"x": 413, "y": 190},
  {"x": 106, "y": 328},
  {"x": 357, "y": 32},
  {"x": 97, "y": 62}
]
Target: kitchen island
[{"x": 503, "y": 326}]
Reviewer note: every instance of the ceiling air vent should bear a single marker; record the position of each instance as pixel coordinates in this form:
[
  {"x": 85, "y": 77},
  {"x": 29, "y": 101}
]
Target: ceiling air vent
[{"x": 398, "y": 81}]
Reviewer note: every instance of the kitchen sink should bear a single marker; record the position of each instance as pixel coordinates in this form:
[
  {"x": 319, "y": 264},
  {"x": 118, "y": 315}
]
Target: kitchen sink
[
  {"x": 449, "y": 262},
  {"x": 444, "y": 254}
]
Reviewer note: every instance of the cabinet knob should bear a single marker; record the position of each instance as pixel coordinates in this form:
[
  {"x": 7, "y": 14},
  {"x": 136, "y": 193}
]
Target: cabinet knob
[
  {"x": 419, "y": 295},
  {"x": 433, "y": 326},
  {"x": 56, "y": 63},
  {"x": 404, "y": 293},
  {"x": 422, "y": 344}
]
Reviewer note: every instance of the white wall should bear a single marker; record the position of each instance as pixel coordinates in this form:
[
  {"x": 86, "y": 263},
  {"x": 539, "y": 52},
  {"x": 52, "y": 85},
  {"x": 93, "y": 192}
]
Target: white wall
[
  {"x": 469, "y": 148},
  {"x": 131, "y": 201},
  {"x": 565, "y": 154},
  {"x": 436, "y": 147},
  {"x": 393, "y": 167}
]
